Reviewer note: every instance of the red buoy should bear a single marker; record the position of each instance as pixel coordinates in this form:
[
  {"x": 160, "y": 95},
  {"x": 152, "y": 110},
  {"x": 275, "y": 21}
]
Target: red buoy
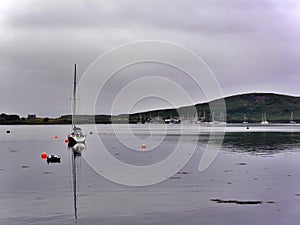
[
  {"x": 67, "y": 141},
  {"x": 44, "y": 155},
  {"x": 143, "y": 146},
  {"x": 55, "y": 137}
]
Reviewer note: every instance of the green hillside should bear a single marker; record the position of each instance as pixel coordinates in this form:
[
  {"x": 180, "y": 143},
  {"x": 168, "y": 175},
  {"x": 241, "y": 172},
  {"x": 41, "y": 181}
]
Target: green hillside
[{"x": 277, "y": 107}]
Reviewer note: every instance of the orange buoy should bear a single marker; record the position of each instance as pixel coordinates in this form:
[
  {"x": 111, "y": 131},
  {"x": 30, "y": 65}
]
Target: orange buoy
[
  {"x": 44, "y": 155},
  {"x": 143, "y": 146}
]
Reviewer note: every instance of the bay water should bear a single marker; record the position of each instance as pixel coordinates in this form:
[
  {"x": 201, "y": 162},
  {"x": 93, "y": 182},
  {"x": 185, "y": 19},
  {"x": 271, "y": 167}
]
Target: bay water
[{"x": 254, "y": 178}]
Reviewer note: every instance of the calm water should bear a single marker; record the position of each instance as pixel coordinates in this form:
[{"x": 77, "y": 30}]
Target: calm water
[{"x": 256, "y": 164}]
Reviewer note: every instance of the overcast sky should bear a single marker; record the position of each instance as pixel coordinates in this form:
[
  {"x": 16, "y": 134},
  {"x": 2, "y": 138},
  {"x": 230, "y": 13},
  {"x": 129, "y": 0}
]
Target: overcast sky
[{"x": 250, "y": 45}]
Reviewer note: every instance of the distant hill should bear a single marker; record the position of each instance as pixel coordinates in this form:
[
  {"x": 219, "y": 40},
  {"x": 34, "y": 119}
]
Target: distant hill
[{"x": 277, "y": 107}]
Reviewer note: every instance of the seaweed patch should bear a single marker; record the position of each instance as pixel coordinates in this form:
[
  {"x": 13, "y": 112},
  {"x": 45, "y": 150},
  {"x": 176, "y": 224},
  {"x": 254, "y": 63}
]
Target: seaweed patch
[{"x": 237, "y": 202}]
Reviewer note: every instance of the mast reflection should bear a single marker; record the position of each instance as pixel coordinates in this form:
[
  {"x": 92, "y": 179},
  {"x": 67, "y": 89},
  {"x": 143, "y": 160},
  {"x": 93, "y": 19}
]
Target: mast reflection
[{"x": 76, "y": 154}]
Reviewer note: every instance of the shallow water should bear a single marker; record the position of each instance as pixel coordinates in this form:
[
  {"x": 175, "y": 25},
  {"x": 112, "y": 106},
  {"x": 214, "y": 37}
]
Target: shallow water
[{"x": 259, "y": 164}]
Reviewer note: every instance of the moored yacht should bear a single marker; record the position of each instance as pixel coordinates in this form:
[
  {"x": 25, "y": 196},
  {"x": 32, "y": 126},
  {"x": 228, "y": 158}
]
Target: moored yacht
[{"x": 76, "y": 135}]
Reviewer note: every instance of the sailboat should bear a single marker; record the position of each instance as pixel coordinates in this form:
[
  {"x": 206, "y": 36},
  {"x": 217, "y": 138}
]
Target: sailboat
[
  {"x": 213, "y": 121},
  {"x": 264, "y": 119},
  {"x": 140, "y": 119},
  {"x": 292, "y": 118},
  {"x": 245, "y": 119},
  {"x": 76, "y": 135}
]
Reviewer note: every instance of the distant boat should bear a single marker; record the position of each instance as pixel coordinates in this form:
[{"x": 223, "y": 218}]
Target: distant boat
[
  {"x": 222, "y": 118},
  {"x": 292, "y": 118},
  {"x": 245, "y": 119},
  {"x": 264, "y": 119},
  {"x": 76, "y": 135},
  {"x": 157, "y": 120},
  {"x": 213, "y": 121},
  {"x": 172, "y": 121},
  {"x": 140, "y": 121}
]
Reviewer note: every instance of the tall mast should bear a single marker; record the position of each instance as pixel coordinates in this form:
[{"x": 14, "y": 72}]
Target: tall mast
[
  {"x": 74, "y": 98},
  {"x": 266, "y": 116}
]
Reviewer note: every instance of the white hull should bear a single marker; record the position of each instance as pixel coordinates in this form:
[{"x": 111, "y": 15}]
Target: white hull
[
  {"x": 264, "y": 123},
  {"x": 292, "y": 118},
  {"x": 264, "y": 119},
  {"x": 76, "y": 138}
]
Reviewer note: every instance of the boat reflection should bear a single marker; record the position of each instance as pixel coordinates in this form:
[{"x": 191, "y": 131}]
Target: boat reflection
[
  {"x": 262, "y": 143},
  {"x": 76, "y": 155},
  {"x": 78, "y": 148}
]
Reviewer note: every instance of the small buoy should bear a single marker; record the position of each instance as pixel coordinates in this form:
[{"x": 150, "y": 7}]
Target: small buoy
[
  {"x": 67, "y": 141},
  {"x": 143, "y": 146},
  {"x": 44, "y": 155},
  {"x": 55, "y": 137},
  {"x": 8, "y": 131},
  {"x": 247, "y": 127}
]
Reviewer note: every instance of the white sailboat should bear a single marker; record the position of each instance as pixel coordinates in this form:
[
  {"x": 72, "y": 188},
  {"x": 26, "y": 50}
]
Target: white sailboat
[
  {"x": 76, "y": 135},
  {"x": 264, "y": 119},
  {"x": 213, "y": 121},
  {"x": 245, "y": 119},
  {"x": 140, "y": 119},
  {"x": 292, "y": 118}
]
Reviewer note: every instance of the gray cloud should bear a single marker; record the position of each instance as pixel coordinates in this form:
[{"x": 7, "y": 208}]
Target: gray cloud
[{"x": 250, "y": 45}]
